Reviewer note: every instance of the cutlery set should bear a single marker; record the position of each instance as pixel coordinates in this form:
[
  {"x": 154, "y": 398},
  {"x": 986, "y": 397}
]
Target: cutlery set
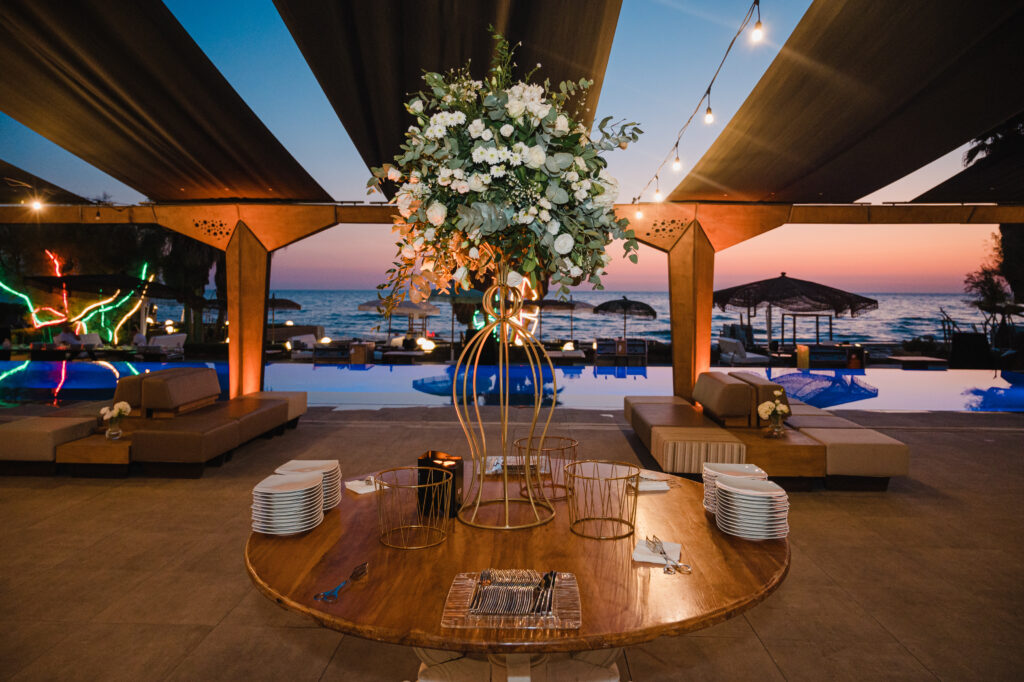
[{"x": 513, "y": 592}]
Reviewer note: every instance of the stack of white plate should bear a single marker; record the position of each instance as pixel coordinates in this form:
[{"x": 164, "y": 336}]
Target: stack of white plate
[
  {"x": 285, "y": 504},
  {"x": 751, "y": 508},
  {"x": 328, "y": 467},
  {"x": 713, "y": 470}
]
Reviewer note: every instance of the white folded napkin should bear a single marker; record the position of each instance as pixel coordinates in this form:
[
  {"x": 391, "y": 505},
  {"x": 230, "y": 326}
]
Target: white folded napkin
[
  {"x": 361, "y": 487},
  {"x": 643, "y": 553},
  {"x": 652, "y": 486}
]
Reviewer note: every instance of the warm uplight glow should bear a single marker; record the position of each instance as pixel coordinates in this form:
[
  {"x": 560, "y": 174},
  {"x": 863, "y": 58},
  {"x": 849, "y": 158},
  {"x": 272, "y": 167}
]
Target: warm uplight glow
[
  {"x": 226, "y": 340},
  {"x": 168, "y": 323},
  {"x": 37, "y": 205},
  {"x": 569, "y": 345},
  {"x": 426, "y": 344},
  {"x": 326, "y": 340},
  {"x": 594, "y": 345},
  {"x": 149, "y": 320},
  {"x": 289, "y": 323},
  {"x": 758, "y": 33},
  {"x": 677, "y": 165},
  {"x": 287, "y": 345},
  {"x": 709, "y": 118}
]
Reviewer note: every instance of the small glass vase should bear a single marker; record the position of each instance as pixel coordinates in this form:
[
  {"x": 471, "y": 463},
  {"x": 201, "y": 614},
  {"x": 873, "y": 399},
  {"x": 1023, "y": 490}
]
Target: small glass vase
[
  {"x": 775, "y": 429},
  {"x": 114, "y": 430}
]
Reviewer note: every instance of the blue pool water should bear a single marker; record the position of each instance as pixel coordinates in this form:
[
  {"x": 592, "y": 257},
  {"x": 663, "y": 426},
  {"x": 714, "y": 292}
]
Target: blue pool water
[{"x": 374, "y": 386}]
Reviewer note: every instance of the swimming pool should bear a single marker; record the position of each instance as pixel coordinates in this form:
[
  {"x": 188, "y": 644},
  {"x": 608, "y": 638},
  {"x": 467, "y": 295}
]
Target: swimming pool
[{"x": 374, "y": 386}]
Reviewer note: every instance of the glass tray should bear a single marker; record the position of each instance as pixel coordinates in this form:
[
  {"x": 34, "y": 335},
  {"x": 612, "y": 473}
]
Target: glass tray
[{"x": 564, "y": 615}]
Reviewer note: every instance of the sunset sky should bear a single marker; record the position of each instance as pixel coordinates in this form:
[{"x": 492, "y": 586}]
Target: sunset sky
[{"x": 664, "y": 54}]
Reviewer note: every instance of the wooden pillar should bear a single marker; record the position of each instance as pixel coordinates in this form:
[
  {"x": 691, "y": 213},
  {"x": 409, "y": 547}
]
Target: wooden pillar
[
  {"x": 691, "y": 274},
  {"x": 248, "y": 275}
]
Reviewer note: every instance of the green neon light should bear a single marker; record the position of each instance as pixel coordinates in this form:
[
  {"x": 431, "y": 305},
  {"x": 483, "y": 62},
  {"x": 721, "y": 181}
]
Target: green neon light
[
  {"x": 28, "y": 302},
  {"x": 9, "y": 372},
  {"x": 132, "y": 368}
]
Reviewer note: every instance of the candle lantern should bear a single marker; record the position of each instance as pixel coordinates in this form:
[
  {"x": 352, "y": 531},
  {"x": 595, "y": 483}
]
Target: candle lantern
[{"x": 436, "y": 460}]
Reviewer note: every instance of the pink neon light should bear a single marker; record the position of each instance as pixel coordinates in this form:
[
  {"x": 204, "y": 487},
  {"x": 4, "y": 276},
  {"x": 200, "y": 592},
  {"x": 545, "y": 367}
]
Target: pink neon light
[{"x": 63, "y": 376}]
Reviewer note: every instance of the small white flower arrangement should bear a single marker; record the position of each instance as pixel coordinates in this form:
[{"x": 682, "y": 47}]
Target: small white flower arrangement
[
  {"x": 773, "y": 411},
  {"x": 500, "y": 174},
  {"x": 114, "y": 414}
]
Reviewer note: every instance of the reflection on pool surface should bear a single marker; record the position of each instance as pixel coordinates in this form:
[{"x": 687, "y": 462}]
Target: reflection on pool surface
[{"x": 374, "y": 386}]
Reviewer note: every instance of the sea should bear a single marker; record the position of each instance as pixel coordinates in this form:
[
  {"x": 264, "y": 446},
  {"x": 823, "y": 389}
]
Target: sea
[{"x": 899, "y": 317}]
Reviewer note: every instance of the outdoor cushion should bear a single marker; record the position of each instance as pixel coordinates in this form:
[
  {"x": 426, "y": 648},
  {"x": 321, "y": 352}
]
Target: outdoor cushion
[
  {"x": 170, "y": 390},
  {"x": 764, "y": 390},
  {"x": 296, "y": 400},
  {"x": 821, "y": 421},
  {"x": 646, "y": 416},
  {"x": 254, "y": 416},
  {"x": 129, "y": 390},
  {"x": 798, "y": 409},
  {"x": 35, "y": 439},
  {"x": 723, "y": 396},
  {"x": 169, "y": 340},
  {"x": 630, "y": 400},
  {"x": 186, "y": 439},
  {"x": 861, "y": 452},
  {"x": 685, "y": 450}
]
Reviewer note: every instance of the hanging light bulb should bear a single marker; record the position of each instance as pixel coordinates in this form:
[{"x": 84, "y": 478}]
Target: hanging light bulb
[
  {"x": 758, "y": 33},
  {"x": 709, "y": 118},
  {"x": 639, "y": 213},
  {"x": 657, "y": 189},
  {"x": 677, "y": 165}
]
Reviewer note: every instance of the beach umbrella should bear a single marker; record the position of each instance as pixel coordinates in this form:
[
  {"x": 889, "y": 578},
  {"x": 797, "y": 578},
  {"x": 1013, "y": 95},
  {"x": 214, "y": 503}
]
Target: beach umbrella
[
  {"x": 414, "y": 311},
  {"x": 558, "y": 304},
  {"x": 792, "y": 295},
  {"x": 627, "y": 308}
]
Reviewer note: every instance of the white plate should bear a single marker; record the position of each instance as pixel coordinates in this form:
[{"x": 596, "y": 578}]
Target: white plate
[
  {"x": 748, "y": 524},
  {"x": 288, "y": 483},
  {"x": 311, "y": 523},
  {"x": 302, "y": 466},
  {"x": 752, "y": 535},
  {"x": 750, "y": 486},
  {"x": 744, "y": 470},
  {"x": 769, "y": 505}
]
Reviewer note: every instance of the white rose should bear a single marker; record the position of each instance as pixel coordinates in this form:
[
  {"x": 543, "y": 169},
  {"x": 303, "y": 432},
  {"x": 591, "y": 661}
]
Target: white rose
[
  {"x": 553, "y": 227},
  {"x": 507, "y": 129},
  {"x": 544, "y": 203},
  {"x": 460, "y": 186},
  {"x": 486, "y": 135},
  {"x": 575, "y": 271},
  {"x": 477, "y": 184},
  {"x": 474, "y": 252},
  {"x": 404, "y": 202},
  {"x": 564, "y": 243},
  {"x": 429, "y": 234},
  {"x": 561, "y": 124},
  {"x": 581, "y": 194},
  {"x": 416, "y": 106},
  {"x": 535, "y": 157},
  {"x": 408, "y": 252},
  {"x": 394, "y": 175},
  {"x": 515, "y": 108},
  {"x": 544, "y": 215},
  {"x": 436, "y": 213},
  {"x": 476, "y": 128},
  {"x": 611, "y": 190},
  {"x": 514, "y": 279}
]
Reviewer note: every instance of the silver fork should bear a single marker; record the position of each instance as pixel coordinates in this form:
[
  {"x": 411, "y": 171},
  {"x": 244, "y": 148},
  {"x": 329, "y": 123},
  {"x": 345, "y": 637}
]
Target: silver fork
[{"x": 671, "y": 565}]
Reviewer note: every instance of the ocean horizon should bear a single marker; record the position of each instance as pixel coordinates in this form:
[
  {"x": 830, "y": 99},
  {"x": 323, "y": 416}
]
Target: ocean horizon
[{"x": 899, "y": 317}]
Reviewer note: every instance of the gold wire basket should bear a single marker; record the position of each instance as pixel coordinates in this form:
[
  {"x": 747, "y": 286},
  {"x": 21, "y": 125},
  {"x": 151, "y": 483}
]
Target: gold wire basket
[
  {"x": 550, "y": 455},
  {"x": 412, "y": 506},
  {"x": 602, "y": 498}
]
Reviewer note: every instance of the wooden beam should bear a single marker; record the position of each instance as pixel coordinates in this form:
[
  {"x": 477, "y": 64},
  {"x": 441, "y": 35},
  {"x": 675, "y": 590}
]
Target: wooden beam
[
  {"x": 248, "y": 280},
  {"x": 691, "y": 278}
]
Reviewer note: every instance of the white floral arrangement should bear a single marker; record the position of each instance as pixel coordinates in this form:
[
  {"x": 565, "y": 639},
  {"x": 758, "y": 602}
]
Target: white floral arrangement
[
  {"x": 113, "y": 414},
  {"x": 770, "y": 408},
  {"x": 496, "y": 176}
]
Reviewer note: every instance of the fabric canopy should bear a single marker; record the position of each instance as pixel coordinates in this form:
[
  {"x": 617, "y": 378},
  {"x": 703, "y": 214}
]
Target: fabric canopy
[
  {"x": 123, "y": 86},
  {"x": 368, "y": 55},
  {"x": 862, "y": 94},
  {"x": 793, "y": 295},
  {"x": 18, "y": 186}
]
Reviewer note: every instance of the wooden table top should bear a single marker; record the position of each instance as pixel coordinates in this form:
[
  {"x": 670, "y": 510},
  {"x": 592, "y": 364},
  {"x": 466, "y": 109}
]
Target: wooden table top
[{"x": 623, "y": 602}]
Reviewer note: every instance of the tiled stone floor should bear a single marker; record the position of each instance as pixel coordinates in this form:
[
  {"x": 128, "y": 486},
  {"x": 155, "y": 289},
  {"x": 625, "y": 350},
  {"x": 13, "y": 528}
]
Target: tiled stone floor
[{"x": 142, "y": 579}]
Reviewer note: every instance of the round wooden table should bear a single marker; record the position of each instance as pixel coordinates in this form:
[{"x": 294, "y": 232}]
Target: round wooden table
[{"x": 623, "y": 602}]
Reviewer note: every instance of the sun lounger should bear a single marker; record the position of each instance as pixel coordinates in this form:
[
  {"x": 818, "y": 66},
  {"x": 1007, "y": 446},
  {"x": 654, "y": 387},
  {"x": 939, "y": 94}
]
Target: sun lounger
[{"x": 733, "y": 353}]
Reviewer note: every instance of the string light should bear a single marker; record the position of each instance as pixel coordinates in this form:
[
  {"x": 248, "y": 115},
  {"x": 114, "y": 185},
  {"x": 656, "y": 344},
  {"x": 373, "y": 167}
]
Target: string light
[
  {"x": 758, "y": 33},
  {"x": 657, "y": 189},
  {"x": 673, "y": 153}
]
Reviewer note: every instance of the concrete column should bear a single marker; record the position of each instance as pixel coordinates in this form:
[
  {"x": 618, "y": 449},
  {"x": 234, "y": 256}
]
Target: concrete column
[
  {"x": 691, "y": 275},
  {"x": 248, "y": 280}
]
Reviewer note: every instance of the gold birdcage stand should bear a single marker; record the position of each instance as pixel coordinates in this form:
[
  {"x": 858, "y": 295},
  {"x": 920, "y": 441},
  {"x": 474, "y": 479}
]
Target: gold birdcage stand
[
  {"x": 412, "y": 506},
  {"x": 511, "y": 502},
  {"x": 602, "y": 498}
]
